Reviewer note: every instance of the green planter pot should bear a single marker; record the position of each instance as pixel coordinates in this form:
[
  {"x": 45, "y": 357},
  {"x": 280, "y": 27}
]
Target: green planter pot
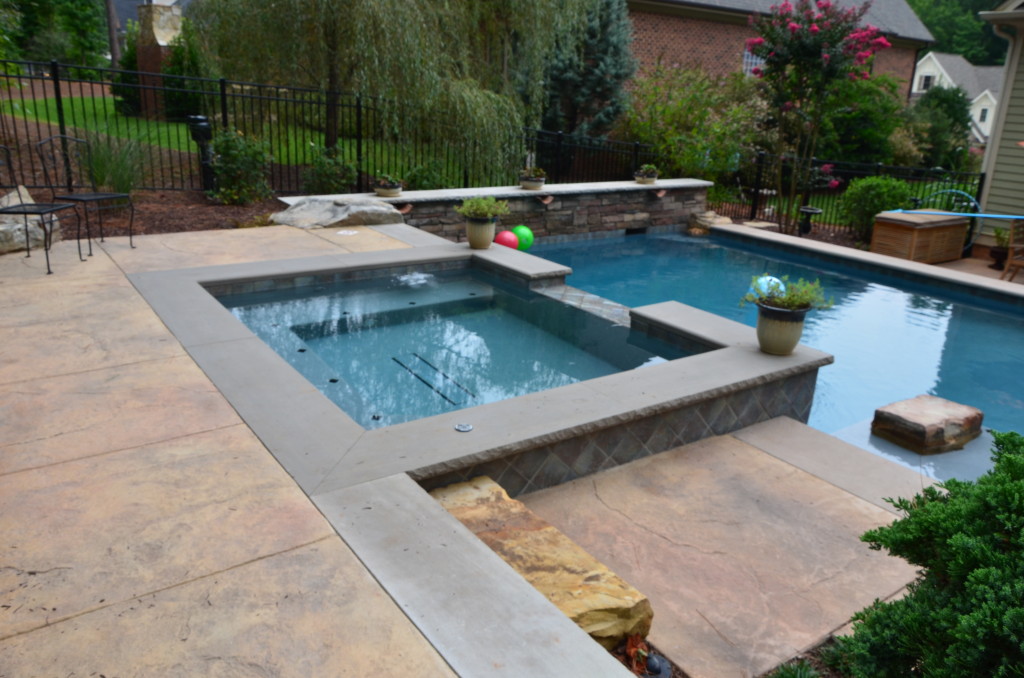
[
  {"x": 480, "y": 232},
  {"x": 779, "y": 329}
]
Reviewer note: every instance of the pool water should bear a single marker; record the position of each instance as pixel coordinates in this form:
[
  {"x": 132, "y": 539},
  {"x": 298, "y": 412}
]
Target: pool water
[
  {"x": 422, "y": 344},
  {"x": 889, "y": 344}
]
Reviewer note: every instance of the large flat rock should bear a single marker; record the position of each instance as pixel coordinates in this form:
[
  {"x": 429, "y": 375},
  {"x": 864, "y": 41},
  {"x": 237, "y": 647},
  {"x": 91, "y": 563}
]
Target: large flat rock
[
  {"x": 927, "y": 424},
  {"x": 590, "y": 594}
]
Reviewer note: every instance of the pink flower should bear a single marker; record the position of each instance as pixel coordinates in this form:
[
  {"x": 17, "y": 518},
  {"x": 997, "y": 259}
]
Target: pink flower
[
  {"x": 786, "y": 8},
  {"x": 757, "y": 72},
  {"x": 754, "y": 43},
  {"x": 826, "y": 57},
  {"x": 814, "y": 28},
  {"x": 788, "y": 106},
  {"x": 793, "y": 27},
  {"x": 824, "y": 5},
  {"x": 834, "y": 183},
  {"x": 881, "y": 43},
  {"x": 864, "y": 75},
  {"x": 827, "y": 168}
]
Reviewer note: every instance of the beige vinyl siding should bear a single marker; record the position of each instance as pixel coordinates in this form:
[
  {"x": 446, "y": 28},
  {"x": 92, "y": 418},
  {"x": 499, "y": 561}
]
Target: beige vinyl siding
[{"x": 1006, "y": 181}]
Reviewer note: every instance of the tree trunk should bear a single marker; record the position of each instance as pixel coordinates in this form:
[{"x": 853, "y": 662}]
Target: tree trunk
[{"x": 112, "y": 26}]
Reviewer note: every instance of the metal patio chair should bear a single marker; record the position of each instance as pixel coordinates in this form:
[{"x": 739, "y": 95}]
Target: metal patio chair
[
  {"x": 66, "y": 162},
  {"x": 1015, "y": 251},
  {"x": 46, "y": 212}
]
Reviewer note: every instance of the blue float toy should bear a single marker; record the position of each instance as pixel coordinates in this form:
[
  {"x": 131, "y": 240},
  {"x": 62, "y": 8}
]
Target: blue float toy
[{"x": 768, "y": 286}]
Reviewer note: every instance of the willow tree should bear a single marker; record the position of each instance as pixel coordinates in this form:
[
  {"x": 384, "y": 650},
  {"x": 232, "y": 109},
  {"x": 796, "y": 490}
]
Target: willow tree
[{"x": 467, "y": 72}]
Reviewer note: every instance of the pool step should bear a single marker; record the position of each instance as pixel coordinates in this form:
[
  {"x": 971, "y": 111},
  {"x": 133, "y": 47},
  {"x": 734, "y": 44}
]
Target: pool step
[{"x": 435, "y": 378}]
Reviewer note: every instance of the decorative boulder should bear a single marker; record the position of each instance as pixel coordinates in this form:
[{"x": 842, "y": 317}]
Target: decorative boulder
[
  {"x": 589, "y": 593},
  {"x": 928, "y": 424},
  {"x": 331, "y": 213},
  {"x": 12, "y": 227}
]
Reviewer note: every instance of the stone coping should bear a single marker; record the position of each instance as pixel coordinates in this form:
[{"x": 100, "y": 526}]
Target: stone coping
[
  {"x": 512, "y": 192},
  {"x": 325, "y": 450},
  {"x": 948, "y": 280}
]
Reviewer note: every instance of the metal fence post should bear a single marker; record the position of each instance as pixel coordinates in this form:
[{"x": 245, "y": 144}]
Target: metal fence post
[
  {"x": 755, "y": 203},
  {"x": 360, "y": 176},
  {"x": 558, "y": 157},
  {"x": 223, "y": 103},
  {"x": 58, "y": 99},
  {"x": 636, "y": 155}
]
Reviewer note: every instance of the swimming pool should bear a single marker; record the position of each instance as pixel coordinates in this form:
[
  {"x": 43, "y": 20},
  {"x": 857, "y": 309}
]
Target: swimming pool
[
  {"x": 419, "y": 344},
  {"x": 890, "y": 342}
]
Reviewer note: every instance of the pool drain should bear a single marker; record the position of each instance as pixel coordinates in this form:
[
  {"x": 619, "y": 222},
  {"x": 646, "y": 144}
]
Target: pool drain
[{"x": 463, "y": 428}]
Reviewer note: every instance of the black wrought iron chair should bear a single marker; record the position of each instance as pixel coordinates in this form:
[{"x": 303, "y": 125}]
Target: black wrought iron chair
[
  {"x": 47, "y": 213},
  {"x": 66, "y": 162}
]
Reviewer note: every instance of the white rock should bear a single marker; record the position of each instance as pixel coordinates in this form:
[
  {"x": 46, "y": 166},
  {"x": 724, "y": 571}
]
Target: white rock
[{"x": 321, "y": 213}]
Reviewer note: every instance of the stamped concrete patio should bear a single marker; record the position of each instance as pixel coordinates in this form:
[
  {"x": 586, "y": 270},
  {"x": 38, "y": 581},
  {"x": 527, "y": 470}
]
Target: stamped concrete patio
[{"x": 145, "y": 530}]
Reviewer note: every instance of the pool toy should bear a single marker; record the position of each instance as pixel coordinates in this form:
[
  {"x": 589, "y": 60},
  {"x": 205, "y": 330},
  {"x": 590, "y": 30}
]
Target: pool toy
[
  {"x": 525, "y": 236},
  {"x": 768, "y": 285},
  {"x": 508, "y": 239}
]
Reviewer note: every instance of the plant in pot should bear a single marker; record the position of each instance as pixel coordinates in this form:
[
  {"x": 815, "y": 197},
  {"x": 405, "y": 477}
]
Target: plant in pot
[
  {"x": 781, "y": 308},
  {"x": 532, "y": 178},
  {"x": 481, "y": 218},
  {"x": 1001, "y": 249},
  {"x": 646, "y": 174},
  {"x": 387, "y": 186}
]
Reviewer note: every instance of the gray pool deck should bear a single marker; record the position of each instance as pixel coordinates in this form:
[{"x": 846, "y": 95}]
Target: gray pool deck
[{"x": 146, "y": 530}]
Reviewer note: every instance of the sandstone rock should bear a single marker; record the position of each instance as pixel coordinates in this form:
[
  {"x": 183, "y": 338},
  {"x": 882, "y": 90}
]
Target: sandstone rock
[
  {"x": 589, "y": 593},
  {"x": 12, "y": 227},
  {"x": 927, "y": 424},
  {"x": 322, "y": 213},
  {"x": 701, "y": 222}
]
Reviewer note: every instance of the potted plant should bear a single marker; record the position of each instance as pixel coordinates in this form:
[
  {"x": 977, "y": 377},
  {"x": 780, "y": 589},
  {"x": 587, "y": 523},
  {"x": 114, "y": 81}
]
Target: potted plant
[
  {"x": 481, "y": 217},
  {"x": 387, "y": 186},
  {"x": 1001, "y": 249},
  {"x": 781, "y": 308},
  {"x": 647, "y": 174},
  {"x": 532, "y": 178}
]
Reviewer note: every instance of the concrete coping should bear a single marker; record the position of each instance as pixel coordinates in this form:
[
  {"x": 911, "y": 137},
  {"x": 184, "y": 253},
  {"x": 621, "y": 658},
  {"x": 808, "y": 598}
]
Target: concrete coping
[{"x": 513, "y": 192}]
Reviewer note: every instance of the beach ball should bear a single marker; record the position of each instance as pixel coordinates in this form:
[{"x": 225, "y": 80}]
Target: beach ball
[
  {"x": 508, "y": 239},
  {"x": 525, "y": 236},
  {"x": 768, "y": 285}
]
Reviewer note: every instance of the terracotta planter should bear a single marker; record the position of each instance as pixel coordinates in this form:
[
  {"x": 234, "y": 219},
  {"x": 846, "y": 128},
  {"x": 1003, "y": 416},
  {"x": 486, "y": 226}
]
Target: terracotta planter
[
  {"x": 480, "y": 232},
  {"x": 387, "y": 192},
  {"x": 779, "y": 329},
  {"x": 531, "y": 184}
]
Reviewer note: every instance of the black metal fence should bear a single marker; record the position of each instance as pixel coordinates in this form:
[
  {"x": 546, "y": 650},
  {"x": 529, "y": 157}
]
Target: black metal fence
[
  {"x": 38, "y": 100},
  {"x": 752, "y": 193}
]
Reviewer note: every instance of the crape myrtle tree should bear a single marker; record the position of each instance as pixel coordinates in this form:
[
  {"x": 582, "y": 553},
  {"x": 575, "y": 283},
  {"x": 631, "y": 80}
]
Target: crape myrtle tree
[
  {"x": 809, "y": 49},
  {"x": 466, "y": 72}
]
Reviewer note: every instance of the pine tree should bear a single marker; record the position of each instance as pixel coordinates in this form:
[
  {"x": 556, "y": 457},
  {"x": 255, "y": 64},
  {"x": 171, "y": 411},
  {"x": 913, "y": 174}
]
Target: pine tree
[{"x": 585, "y": 81}]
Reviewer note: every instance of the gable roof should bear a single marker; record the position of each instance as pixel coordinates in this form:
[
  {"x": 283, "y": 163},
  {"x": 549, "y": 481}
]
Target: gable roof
[
  {"x": 892, "y": 17},
  {"x": 974, "y": 80}
]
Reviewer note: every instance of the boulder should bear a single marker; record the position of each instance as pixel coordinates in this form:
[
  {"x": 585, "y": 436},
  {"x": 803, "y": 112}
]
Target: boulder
[
  {"x": 12, "y": 226},
  {"x": 589, "y": 593},
  {"x": 331, "y": 213},
  {"x": 927, "y": 424}
]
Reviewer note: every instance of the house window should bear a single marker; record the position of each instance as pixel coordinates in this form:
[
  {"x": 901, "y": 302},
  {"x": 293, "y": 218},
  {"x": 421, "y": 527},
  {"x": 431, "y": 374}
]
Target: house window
[
  {"x": 926, "y": 82},
  {"x": 750, "y": 62},
  {"x": 983, "y": 116}
]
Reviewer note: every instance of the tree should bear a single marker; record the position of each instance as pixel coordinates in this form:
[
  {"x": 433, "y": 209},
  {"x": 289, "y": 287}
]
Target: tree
[
  {"x": 861, "y": 129},
  {"x": 478, "y": 66},
  {"x": 586, "y": 77},
  {"x": 957, "y": 29},
  {"x": 70, "y": 31},
  {"x": 809, "y": 51},
  {"x": 944, "y": 113},
  {"x": 699, "y": 124}
]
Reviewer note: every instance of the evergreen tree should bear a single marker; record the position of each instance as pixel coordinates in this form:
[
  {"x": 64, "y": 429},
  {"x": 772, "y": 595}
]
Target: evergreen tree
[
  {"x": 946, "y": 113},
  {"x": 957, "y": 29},
  {"x": 586, "y": 78},
  {"x": 70, "y": 31}
]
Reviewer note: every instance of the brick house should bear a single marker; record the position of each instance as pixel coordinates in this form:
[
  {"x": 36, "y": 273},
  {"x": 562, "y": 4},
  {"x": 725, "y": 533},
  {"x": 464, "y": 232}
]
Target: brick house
[{"x": 713, "y": 34}]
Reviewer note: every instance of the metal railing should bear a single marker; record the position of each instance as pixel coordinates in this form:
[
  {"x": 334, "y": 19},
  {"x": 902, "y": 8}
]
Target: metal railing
[
  {"x": 751, "y": 192},
  {"x": 39, "y": 99}
]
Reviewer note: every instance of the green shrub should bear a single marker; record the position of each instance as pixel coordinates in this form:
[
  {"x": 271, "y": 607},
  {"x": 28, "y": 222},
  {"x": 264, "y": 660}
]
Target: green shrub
[
  {"x": 125, "y": 85},
  {"x": 799, "y": 669},
  {"x": 115, "y": 164},
  {"x": 867, "y": 197},
  {"x": 964, "y": 616},
  {"x": 328, "y": 173},
  {"x": 241, "y": 167},
  {"x": 427, "y": 177},
  {"x": 184, "y": 96}
]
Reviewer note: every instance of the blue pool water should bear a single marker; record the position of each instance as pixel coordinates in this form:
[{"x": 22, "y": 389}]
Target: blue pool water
[
  {"x": 416, "y": 345},
  {"x": 889, "y": 344}
]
